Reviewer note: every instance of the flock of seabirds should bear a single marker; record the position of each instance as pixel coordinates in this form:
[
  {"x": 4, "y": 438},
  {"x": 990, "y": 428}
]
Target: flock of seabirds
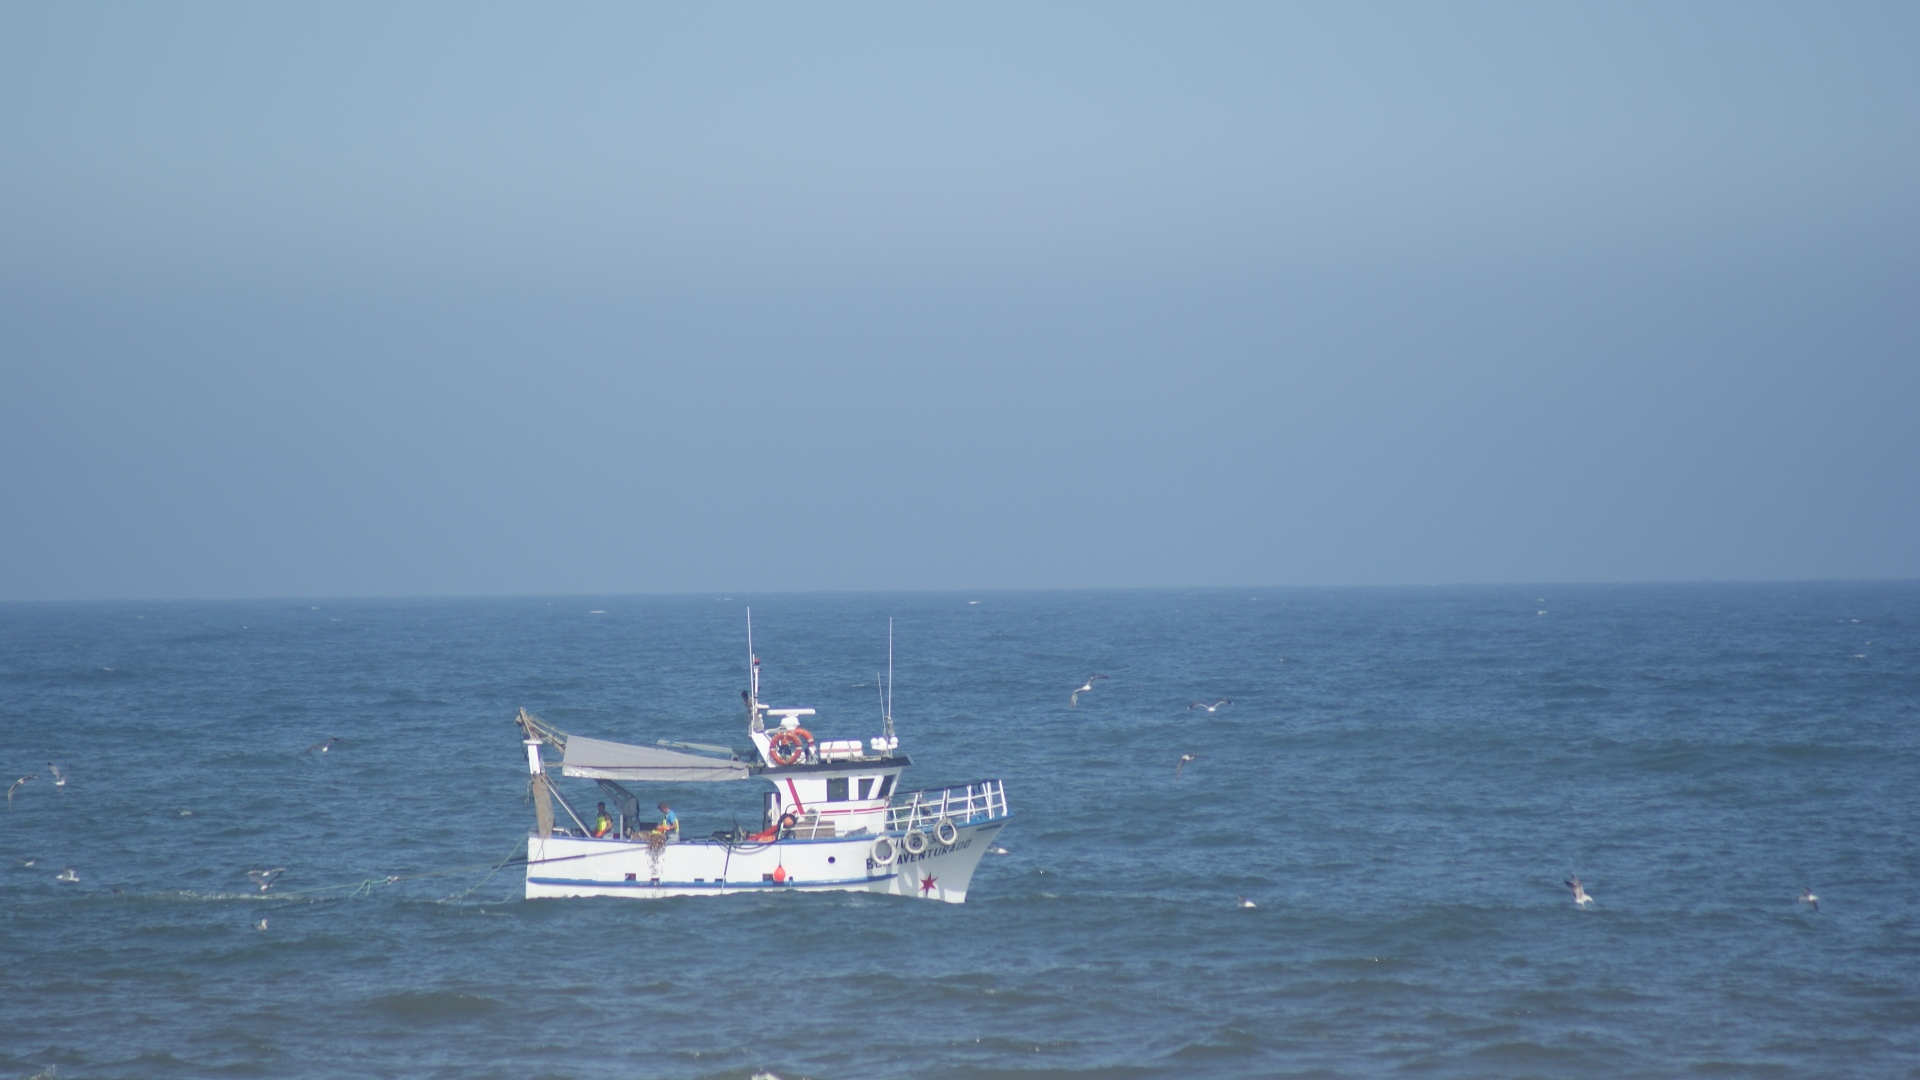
[{"x": 265, "y": 878}]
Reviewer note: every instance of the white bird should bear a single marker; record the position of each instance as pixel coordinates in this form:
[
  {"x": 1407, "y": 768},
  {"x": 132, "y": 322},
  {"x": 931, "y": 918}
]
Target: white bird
[
  {"x": 322, "y": 746},
  {"x": 1210, "y": 708},
  {"x": 35, "y": 861},
  {"x": 1807, "y": 898},
  {"x": 1085, "y": 687},
  {"x": 1580, "y": 897},
  {"x": 67, "y": 875},
  {"x": 264, "y": 878},
  {"x": 998, "y": 851},
  {"x": 261, "y": 925},
  {"x": 59, "y": 774},
  {"x": 16, "y": 787},
  {"x": 1246, "y": 903},
  {"x": 1182, "y": 763}
]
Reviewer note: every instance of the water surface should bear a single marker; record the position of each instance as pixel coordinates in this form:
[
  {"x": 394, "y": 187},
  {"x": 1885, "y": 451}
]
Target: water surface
[{"x": 1402, "y": 782}]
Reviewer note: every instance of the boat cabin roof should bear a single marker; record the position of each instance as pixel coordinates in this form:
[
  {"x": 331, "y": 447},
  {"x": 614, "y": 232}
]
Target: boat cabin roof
[{"x": 848, "y": 765}]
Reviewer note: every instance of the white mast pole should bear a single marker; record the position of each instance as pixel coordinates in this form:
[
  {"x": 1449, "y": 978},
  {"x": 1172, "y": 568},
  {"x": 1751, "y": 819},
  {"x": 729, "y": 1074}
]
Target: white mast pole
[{"x": 888, "y": 710}]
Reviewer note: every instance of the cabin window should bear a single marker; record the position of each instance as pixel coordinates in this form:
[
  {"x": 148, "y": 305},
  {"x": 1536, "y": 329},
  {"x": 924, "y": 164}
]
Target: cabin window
[
  {"x": 886, "y": 787},
  {"x": 837, "y": 789},
  {"x": 866, "y": 786}
]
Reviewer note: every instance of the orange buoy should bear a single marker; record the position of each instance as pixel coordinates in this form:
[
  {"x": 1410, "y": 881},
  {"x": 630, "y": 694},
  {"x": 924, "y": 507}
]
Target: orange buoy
[
  {"x": 789, "y": 745},
  {"x": 779, "y": 875}
]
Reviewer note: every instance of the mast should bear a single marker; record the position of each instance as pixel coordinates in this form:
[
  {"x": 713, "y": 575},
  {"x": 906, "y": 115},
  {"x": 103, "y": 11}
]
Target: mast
[
  {"x": 886, "y": 712},
  {"x": 752, "y": 692}
]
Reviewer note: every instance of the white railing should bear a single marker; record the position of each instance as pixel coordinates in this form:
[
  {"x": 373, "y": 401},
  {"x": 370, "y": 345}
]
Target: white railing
[{"x": 963, "y": 804}]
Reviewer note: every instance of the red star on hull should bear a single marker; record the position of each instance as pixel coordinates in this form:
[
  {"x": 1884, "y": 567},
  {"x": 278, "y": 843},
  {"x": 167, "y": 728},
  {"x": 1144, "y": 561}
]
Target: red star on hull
[{"x": 926, "y": 884}]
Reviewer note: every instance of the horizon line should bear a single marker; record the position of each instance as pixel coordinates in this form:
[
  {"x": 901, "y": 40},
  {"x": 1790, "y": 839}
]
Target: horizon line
[{"x": 948, "y": 590}]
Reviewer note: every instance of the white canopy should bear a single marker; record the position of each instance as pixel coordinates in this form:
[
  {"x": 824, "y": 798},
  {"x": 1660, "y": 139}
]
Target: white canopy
[{"x": 597, "y": 759}]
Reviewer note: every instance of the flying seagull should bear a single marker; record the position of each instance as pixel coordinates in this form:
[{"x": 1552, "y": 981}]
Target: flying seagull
[
  {"x": 323, "y": 746},
  {"x": 1182, "y": 763},
  {"x": 264, "y": 878},
  {"x": 1085, "y": 687},
  {"x": 16, "y": 787},
  {"x": 66, "y": 875},
  {"x": 1580, "y": 897},
  {"x": 1246, "y": 903},
  {"x": 1807, "y": 898},
  {"x": 1210, "y": 708},
  {"x": 59, "y": 774}
]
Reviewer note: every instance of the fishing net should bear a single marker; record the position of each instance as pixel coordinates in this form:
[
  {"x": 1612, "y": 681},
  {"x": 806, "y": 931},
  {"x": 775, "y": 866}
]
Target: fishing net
[
  {"x": 656, "y": 846},
  {"x": 540, "y": 789}
]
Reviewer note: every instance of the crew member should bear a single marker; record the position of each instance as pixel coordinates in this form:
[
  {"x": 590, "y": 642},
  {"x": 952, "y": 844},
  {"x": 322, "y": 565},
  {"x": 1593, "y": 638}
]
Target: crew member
[
  {"x": 669, "y": 823},
  {"x": 602, "y": 821}
]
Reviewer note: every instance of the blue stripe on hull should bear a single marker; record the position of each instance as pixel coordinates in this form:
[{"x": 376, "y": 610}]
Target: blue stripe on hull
[{"x": 591, "y": 883}]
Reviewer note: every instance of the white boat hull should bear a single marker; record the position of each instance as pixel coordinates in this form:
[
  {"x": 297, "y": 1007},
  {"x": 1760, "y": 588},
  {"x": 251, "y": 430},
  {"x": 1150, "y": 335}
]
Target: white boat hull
[{"x": 568, "y": 866}]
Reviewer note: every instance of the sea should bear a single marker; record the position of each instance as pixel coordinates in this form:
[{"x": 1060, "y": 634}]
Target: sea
[{"x": 1402, "y": 783}]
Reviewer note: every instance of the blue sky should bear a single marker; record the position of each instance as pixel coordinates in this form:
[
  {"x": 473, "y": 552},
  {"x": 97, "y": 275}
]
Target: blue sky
[{"x": 468, "y": 299}]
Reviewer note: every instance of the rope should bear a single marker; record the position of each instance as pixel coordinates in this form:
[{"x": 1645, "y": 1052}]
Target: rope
[
  {"x": 502, "y": 864},
  {"x": 365, "y": 886}
]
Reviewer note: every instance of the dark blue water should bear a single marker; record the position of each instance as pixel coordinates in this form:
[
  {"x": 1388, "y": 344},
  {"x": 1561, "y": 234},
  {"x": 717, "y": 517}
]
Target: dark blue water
[{"x": 1401, "y": 783}]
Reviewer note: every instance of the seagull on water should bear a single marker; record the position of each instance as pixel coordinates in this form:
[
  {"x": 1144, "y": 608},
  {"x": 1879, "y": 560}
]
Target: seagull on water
[
  {"x": 1807, "y": 898},
  {"x": 35, "y": 861},
  {"x": 1210, "y": 708},
  {"x": 998, "y": 851},
  {"x": 16, "y": 787},
  {"x": 261, "y": 925},
  {"x": 59, "y": 774},
  {"x": 1085, "y": 687},
  {"x": 1182, "y": 763},
  {"x": 1246, "y": 903},
  {"x": 1580, "y": 897},
  {"x": 323, "y": 746},
  {"x": 66, "y": 875},
  {"x": 264, "y": 878}
]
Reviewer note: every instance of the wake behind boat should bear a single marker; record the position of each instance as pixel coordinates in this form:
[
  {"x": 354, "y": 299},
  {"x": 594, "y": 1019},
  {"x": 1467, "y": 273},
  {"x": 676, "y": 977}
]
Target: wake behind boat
[{"x": 833, "y": 821}]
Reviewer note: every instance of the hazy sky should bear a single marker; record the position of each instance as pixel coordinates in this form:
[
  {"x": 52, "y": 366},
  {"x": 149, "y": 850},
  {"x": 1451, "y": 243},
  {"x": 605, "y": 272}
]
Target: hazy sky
[{"x": 416, "y": 300}]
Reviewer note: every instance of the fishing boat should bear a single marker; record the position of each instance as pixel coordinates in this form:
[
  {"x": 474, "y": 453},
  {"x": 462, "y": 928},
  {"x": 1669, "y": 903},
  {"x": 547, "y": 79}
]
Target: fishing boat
[{"x": 832, "y": 821}]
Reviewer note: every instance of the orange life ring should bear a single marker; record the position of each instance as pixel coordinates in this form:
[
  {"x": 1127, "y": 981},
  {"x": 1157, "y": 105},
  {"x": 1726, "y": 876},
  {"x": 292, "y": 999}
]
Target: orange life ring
[{"x": 789, "y": 745}]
